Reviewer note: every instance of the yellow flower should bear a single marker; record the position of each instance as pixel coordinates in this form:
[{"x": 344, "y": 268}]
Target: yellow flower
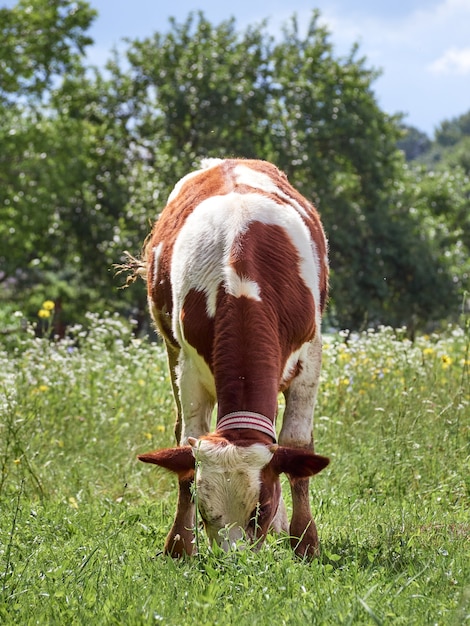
[
  {"x": 429, "y": 351},
  {"x": 160, "y": 428},
  {"x": 48, "y": 305},
  {"x": 446, "y": 361},
  {"x": 148, "y": 435},
  {"x": 73, "y": 502},
  {"x": 40, "y": 389},
  {"x": 44, "y": 313}
]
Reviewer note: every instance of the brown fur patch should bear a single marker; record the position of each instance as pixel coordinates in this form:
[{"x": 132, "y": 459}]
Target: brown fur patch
[
  {"x": 198, "y": 327},
  {"x": 253, "y": 339}
]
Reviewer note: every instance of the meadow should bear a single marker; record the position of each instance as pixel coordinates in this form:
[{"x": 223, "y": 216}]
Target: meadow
[{"x": 82, "y": 522}]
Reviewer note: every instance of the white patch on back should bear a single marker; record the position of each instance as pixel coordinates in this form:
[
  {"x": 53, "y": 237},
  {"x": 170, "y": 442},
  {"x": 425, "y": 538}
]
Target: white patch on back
[
  {"x": 201, "y": 255},
  {"x": 267, "y": 211},
  {"x": 246, "y": 175},
  {"x": 239, "y": 286},
  {"x": 258, "y": 180}
]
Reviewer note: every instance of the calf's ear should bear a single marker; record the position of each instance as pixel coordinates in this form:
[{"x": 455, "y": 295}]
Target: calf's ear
[
  {"x": 179, "y": 460},
  {"x": 297, "y": 462}
]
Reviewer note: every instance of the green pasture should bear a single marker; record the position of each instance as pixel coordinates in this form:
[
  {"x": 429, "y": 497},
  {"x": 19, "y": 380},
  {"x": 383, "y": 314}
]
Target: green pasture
[{"x": 82, "y": 522}]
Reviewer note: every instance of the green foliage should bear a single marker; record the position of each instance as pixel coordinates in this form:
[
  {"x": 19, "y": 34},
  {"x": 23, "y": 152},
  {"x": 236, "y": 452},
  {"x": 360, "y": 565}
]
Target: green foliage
[
  {"x": 449, "y": 149},
  {"x": 413, "y": 142},
  {"x": 66, "y": 178},
  {"x": 41, "y": 40},
  {"x": 438, "y": 188},
  {"x": 451, "y": 132},
  {"x": 294, "y": 103},
  {"x": 202, "y": 90},
  {"x": 51, "y": 163},
  {"x": 83, "y": 523},
  {"x": 88, "y": 159}
]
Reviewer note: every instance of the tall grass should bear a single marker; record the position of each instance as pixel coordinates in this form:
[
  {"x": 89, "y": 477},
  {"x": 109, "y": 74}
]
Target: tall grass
[{"x": 82, "y": 523}]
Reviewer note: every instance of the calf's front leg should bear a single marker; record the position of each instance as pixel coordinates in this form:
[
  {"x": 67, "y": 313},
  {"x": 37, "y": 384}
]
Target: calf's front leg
[
  {"x": 302, "y": 530},
  {"x": 194, "y": 405},
  {"x": 180, "y": 539}
]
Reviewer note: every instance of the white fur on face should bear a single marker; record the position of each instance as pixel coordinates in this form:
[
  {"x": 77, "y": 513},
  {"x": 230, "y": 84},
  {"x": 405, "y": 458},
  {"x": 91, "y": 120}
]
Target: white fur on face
[{"x": 228, "y": 481}]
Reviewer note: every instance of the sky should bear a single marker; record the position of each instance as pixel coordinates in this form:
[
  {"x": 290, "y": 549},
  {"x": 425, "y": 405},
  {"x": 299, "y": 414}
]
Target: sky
[{"x": 422, "y": 47}]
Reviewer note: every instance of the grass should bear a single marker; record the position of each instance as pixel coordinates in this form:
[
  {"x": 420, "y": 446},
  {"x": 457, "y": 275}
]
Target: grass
[{"x": 82, "y": 523}]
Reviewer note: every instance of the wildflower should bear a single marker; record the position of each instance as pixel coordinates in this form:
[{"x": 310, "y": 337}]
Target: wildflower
[
  {"x": 446, "y": 361},
  {"x": 73, "y": 502},
  {"x": 428, "y": 351},
  {"x": 40, "y": 389},
  {"x": 48, "y": 305},
  {"x": 160, "y": 428},
  {"x": 148, "y": 435},
  {"x": 44, "y": 313}
]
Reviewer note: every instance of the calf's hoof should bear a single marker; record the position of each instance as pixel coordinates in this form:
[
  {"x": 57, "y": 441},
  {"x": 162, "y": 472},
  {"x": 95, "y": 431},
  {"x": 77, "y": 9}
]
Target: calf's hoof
[
  {"x": 305, "y": 544},
  {"x": 304, "y": 549},
  {"x": 178, "y": 545}
]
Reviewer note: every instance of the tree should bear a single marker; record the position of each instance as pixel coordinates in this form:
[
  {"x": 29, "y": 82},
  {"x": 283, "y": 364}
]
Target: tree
[
  {"x": 210, "y": 91},
  {"x": 64, "y": 209},
  {"x": 51, "y": 159},
  {"x": 438, "y": 189},
  {"x": 41, "y": 41},
  {"x": 89, "y": 158},
  {"x": 198, "y": 90},
  {"x": 452, "y": 131},
  {"x": 443, "y": 197},
  {"x": 413, "y": 142},
  {"x": 339, "y": 148}
]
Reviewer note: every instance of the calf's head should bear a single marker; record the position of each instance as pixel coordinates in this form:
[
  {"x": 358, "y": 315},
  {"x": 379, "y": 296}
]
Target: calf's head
[{"x": 237, "y": 487}]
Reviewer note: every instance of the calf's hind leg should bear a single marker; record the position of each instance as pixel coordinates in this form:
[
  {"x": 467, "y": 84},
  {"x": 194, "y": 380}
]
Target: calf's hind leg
[{"x": 297, "y": 432}]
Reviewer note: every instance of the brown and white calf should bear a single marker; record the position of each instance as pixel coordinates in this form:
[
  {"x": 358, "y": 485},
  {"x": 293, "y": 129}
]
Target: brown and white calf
[{"x": 237, "y": 275}]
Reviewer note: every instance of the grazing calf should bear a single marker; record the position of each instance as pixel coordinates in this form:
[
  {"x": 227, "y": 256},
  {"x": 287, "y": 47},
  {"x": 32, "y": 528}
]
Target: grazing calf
[{"x": 237, "y": 275}]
